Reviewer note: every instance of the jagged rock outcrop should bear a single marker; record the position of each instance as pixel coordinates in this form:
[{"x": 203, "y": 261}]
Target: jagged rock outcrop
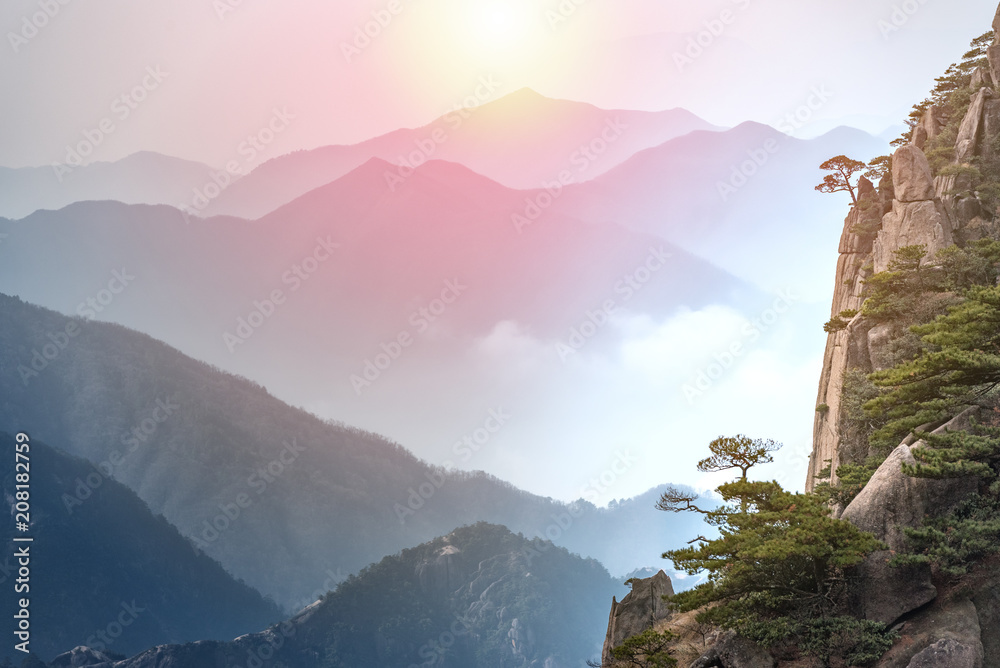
[
  {"x": 639, "y": 610},
  {"x": 939, "y": 625},
  {"x": 522, "y": 640},
  {"x": 912, "y": 178},
  {"x": 970, "y": 132},
  {"x": 855, "y": 251},
  {"x": 917, "y": 216},
  {"x": 928, "y": 128},
  {"x": 922, "y": 222},
  {"x": 912, "y": 208},
  {"x": 981, "y": 78},
  {"x": 993, "y": 53}
]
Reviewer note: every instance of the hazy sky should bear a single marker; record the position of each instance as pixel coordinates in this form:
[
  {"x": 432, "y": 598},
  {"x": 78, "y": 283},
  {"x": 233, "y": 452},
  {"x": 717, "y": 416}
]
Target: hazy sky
[
  {"x": 194, "y": 78},
  {"x": 226, "y": 64}
]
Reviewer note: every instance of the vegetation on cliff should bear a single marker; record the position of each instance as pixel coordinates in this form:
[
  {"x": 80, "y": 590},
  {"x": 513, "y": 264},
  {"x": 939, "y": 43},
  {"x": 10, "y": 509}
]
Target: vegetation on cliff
[
  {"x": 933, "y": 323},
  {"x": 778, "y": 573}
]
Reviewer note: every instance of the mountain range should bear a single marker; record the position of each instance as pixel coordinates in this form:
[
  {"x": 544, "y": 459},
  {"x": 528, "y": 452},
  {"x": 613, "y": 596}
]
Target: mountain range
[
  {"x": 358, "y": 267},
  {"x": 459, "y": 288},
  {"x": 105, "y": 572},
  {"x": 478, "y": 597},
  {"x": 281, "y": 499},
  {"x": 520, "y": 140}
]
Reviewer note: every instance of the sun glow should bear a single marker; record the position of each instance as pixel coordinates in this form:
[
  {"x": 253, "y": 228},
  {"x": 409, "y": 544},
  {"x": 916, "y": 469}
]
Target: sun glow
[
  {"x": 452, "y": 44},
  {"x": 498, "y": 22},
  {"x": 498, "y": 30}
]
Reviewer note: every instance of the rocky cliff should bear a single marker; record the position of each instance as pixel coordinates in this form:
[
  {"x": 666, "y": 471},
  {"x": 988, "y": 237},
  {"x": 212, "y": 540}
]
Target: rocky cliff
[
  {"x": 915, "y": 229},
  {"x": 910, "y": 206},
  {"x": 641, "y": 609},
  {"x": 940, "y": 623}
]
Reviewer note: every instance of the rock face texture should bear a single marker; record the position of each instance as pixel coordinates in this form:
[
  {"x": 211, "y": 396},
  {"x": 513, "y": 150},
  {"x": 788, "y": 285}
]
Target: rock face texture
[
  {"x": 638, "y": 611},
  {"x": 733, "y": 651},
  {"x": 911, "y": 175},
  {"x": 946, "y": 634},
  {"x": 893, "y": 500},
  {"x": 939, "y": 624},
  {"x": 890, "y": 502},
  {"x": 994, "y": 52},
  {"x": 909, "y": 207},
  {"x": 949, "y": 653}
]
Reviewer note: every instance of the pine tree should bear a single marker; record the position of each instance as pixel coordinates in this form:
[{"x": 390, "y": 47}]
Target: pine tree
[
  {"x": 843, "y": 170},
  {"x": 956, "y": 78},
  {"x": 972, "y": 531},
  {"x": 778, "y": 571},
  {"x": 960, "y": 368},
  {"x": 649, "y": 649}
]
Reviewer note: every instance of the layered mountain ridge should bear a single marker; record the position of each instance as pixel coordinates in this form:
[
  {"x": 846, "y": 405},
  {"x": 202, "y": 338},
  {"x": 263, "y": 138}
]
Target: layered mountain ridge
[
  {"x": 279, "y": 497},
  {"x": 106, "y": 572}
]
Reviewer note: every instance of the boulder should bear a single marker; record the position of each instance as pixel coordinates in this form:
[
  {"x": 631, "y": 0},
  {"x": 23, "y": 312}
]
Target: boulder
[
  {"x": 883, "y": 593},
  {"x": 912, "y": 180},
  {"x": 932, "y": 122},
  {"x": 950, "y": 623},
  {"x": 985, "y": 585},
  {"x": 890, "y": 502},
  {"x": 733, "y": 651},
  {"x": 949, "y": 653},
  {"x": 970, "y": 131},
  {"x": 981, "y": 78},
  {"x": 912, "y": 223},
  {"x": 638, "y": 611}
]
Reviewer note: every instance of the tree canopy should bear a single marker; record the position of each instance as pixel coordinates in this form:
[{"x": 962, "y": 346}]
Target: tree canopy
[
  {"x": 778, "y": 571},
  {"x": 843, "y": 170}
]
